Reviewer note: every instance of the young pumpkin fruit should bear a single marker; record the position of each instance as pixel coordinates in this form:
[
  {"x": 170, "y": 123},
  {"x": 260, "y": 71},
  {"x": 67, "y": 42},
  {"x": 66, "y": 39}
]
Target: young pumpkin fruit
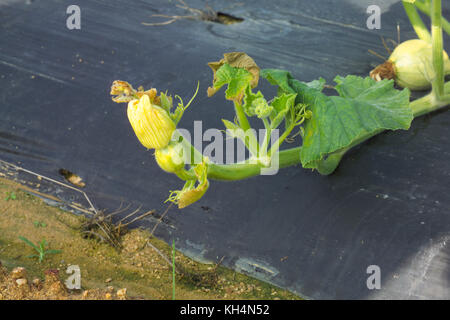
[
  {"x": 410, "y": 65},
  {"x": 170, "y": 158}
]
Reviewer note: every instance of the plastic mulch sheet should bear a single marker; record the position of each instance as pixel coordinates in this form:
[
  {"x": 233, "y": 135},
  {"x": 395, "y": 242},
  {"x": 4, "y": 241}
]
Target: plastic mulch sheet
[{"x": 386, "y": 205}]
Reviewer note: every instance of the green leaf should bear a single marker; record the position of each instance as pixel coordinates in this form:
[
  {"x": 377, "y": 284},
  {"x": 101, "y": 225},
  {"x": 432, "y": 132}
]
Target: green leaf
[
  {"x": 38, "y": 224},
  {"x": 235, "y": 60},
  {"x": 43, "y": 244},
  {"x": 287, "y": 84},
  {"x": 281, "y": 104},
  {"x": 317, "y": 84},
  {"x": 364, "y": 107},
  {"x": 166, "y": 101},
  {"x": 238, "y": 80},
  {"x": 280, "y": 78},
  {"x": 10, "y": 196}
]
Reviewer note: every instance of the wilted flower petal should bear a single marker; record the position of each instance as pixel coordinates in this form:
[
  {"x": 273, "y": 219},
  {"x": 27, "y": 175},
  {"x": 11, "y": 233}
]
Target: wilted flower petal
[
  {"x": 123, "y": 91},
  {"x": 190, "y": 192}
]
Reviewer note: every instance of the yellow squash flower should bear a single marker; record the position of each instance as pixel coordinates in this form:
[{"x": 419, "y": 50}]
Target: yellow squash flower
[{"x": 151, "y": 124}]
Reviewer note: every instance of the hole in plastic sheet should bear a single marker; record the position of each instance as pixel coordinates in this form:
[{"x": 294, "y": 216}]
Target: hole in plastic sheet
[
  {"x": 72, "y": 178},
  {"x": 225, "y": 18}
]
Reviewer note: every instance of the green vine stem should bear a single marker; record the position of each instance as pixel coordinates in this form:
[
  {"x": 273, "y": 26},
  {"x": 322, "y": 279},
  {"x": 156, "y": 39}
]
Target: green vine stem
[
  {"x": 242, "y": 118},
  {"x": 416, "y": 21},
  {"x": 245, "y": 125},
  {"x": 268, "y": 133},
  {"x": 438, "y": 47},
  {"x": 425, "y": 7},
  {"x": 247, "y": 169}
]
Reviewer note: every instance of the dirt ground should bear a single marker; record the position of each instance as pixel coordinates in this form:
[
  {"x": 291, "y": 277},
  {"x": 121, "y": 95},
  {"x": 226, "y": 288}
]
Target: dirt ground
[{"x": 136, "y": 271}]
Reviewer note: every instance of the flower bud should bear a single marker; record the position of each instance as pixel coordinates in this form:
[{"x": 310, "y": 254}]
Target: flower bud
[
  {"x": 261, "y": 108},
  {"x": 151, "y": 124},
  {"x": 170, "y": 158}
]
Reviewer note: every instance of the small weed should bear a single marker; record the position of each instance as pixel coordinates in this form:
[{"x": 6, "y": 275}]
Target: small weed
[
  {"x": 40, "y": 249},
  {"x": 38, "y": 224},
  {"x": 10, "y": 196}
]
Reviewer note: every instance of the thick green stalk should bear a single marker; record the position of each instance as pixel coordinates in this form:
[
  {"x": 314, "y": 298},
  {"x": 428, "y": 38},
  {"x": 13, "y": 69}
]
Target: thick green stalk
[
  {"x": 267, "y": 136},
  {"x": 438, "y": 47},
  {"x": 242, "y": 118},
  {"x": 245, "y": 125},
  {"x": 185, "y": 175},
  {"x": 429, "y": 103},
  {"x": 247, "y": 169},
  {"x": 416, "y": 22}
]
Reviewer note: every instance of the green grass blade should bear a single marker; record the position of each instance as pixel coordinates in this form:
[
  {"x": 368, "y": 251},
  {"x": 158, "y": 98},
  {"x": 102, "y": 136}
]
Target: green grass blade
[
  {"x": 28, "y": 242},
  {"x": 173, "y": 269}
]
